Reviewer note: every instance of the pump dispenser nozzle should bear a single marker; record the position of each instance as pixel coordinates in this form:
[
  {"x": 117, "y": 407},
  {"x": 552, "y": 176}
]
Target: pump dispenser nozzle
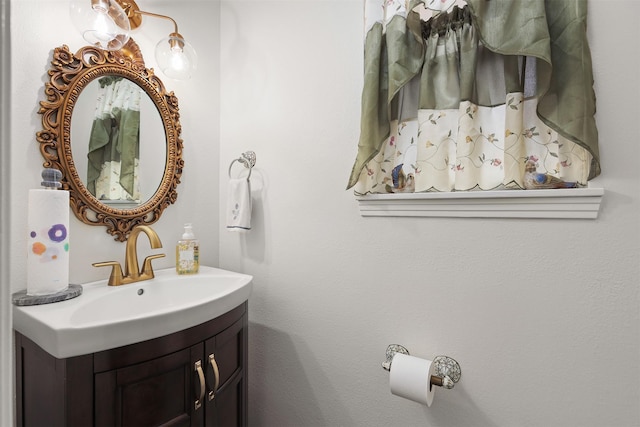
[
  {"x": 187, "y": 252},
  {"x": 188, "y": 231}
]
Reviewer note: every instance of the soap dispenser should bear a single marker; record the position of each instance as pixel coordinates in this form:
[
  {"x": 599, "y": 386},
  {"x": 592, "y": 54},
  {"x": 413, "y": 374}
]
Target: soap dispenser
[{"x": 187, "y": 252}]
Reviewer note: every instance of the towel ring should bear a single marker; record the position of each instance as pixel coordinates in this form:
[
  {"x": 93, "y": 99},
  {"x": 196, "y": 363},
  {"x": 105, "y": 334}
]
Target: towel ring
[{"x": 248, "y": 159}]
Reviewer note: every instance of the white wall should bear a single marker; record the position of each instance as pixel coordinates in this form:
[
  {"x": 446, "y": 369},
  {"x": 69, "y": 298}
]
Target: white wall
[
  {"x": 543, "y": 315},
  {"x": 551, "y": 338}
]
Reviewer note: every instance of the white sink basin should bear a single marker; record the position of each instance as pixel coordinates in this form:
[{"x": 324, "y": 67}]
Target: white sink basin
[{"x": 105, "y": 317}]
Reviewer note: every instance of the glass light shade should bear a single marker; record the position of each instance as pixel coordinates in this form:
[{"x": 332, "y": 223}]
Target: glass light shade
[
  {"x": 102, "y": 23},
  {"x": 176, "y": 58}
]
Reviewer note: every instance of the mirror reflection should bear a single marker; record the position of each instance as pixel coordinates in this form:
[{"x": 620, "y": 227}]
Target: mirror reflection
[{"x": 118, "y": 130}]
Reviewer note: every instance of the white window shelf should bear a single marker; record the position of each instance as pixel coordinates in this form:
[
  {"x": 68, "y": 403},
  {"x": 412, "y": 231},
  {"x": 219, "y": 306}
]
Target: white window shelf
[{"x": 570, "y": 203}]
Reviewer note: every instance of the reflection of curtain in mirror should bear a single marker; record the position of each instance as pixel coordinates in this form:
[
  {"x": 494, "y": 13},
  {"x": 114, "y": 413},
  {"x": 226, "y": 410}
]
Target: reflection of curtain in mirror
[
  {"x": 114, "y": 149},
  {"x": 460, "y": 95}
]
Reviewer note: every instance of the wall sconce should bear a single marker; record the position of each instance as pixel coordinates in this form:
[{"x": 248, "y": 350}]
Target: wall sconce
[{"x": 107, "y": 24}]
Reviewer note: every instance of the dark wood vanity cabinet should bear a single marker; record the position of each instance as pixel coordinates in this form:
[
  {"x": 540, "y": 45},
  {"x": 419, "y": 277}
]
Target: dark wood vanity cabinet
[{"x": 195, "y": 377}]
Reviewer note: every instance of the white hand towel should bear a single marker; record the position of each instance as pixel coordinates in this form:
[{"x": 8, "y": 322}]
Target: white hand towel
[{"x": 239, "y": 205}]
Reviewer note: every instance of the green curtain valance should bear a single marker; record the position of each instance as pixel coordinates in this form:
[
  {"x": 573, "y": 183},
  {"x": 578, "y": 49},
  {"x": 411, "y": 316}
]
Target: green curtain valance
[{"x": 551, "y": 32}]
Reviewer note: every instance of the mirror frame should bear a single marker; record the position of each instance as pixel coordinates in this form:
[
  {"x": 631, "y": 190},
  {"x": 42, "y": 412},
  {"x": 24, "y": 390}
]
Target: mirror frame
[{"x": 68, "y": 76}]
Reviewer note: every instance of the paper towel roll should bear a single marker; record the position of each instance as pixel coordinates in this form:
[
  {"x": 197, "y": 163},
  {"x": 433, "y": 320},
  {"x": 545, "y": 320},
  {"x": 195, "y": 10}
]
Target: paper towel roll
[
  {"x": 410, "y": 377},
  {"x": 48, "y": 242}
]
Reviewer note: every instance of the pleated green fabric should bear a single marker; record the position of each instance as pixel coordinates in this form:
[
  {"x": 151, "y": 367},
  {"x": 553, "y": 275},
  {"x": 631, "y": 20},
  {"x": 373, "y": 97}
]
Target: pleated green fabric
[
  {"x": 392, "y": 59},
  {"x": 495, "y": 32},
  {"x": 555, "y": 32},
  {"x": 374, "y": 121}
]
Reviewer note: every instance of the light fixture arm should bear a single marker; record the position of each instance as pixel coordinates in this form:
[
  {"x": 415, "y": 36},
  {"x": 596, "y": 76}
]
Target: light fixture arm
[
  {"x": 176, "y": 58},
  {"x": 134, "y": 14},
  {"x": 157, "y": 15}
]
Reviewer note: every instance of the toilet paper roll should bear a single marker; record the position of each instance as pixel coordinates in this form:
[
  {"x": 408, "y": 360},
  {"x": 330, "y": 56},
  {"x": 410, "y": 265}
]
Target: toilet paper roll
[
  {"x": 410, "y": 377},
  {"x": 47, "y": 242}
]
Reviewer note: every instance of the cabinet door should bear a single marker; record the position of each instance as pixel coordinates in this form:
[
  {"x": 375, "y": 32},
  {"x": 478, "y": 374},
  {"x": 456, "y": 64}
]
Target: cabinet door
[
  {"x": 225, "y": 355},
  {"x": 52, "y": 392},
  {"x": 158, "y": 392}
]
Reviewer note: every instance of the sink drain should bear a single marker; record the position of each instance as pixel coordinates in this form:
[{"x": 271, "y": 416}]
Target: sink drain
[{"x": 140, "y": 291}]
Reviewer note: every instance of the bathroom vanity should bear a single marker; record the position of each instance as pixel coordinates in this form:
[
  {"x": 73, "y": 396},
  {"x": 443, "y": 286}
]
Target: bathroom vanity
[
  {"x": 141, "y": 348},
  {"x": 190, "y": 376},
  {"x": 195, "y": 377}
]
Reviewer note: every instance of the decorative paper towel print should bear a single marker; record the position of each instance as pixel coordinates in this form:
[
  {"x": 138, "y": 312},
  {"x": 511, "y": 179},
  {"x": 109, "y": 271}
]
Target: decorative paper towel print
[{"x": 49, "y": 243}]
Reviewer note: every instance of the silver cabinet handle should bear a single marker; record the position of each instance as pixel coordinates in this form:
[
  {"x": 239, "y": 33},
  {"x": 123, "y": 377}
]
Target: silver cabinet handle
[
  {"x": 199, "y": 390},
  {"x": 216, "y": 376}
]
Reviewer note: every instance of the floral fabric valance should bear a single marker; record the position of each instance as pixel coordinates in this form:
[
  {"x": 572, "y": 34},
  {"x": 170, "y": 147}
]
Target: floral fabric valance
[{"x": 461, "y": 96}]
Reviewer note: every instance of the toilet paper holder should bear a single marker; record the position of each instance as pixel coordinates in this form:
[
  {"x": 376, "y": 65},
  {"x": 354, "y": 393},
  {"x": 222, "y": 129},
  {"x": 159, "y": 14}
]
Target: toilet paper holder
[{"x": 447, "y": 370}]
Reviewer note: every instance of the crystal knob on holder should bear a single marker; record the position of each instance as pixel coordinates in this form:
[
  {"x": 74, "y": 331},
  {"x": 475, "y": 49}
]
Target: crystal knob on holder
[{"x": 447, "y": 372}]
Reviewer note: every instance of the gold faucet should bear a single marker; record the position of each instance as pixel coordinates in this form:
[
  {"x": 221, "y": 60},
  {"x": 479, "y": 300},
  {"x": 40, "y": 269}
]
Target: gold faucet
[{"x": 131, "y": 270}]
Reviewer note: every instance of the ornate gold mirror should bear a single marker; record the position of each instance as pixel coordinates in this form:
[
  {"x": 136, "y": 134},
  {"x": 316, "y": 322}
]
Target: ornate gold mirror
[{"x": 113, "y": 131}]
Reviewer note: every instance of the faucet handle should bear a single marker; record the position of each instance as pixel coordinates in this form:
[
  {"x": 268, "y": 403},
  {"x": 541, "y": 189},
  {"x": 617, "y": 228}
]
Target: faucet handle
[
  {"x": 147, "y": 270},
  {"x": 115, "y": 279}
]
